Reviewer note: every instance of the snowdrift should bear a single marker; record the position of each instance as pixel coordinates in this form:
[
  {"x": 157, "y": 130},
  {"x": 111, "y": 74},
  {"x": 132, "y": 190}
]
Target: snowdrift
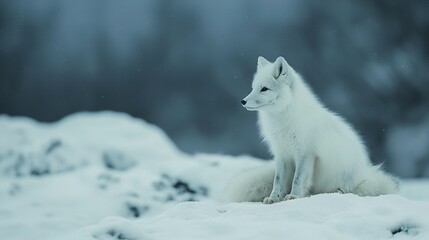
[{"x": 110, "y": 176}]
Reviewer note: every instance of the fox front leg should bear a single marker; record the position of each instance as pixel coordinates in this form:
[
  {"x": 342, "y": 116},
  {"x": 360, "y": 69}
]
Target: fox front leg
[
  {"x": 282, "y": 182},
  {"x": 302, "y": 179}
]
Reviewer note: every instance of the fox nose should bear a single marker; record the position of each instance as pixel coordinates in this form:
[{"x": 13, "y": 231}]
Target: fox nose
[{"x": 243, "y": 102}]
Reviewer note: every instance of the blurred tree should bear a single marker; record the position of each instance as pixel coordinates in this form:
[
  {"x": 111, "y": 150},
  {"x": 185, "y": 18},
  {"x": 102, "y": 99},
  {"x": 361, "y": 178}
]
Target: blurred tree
[{"x": 184, "y": 65}]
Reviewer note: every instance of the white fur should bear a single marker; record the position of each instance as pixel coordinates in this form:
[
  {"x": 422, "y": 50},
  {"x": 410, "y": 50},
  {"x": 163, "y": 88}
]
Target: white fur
[{"x": 315, "y": 151}]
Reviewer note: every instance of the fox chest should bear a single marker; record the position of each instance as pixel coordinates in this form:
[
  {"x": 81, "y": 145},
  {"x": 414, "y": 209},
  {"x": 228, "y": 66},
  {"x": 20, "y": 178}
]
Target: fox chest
[{"x": 283, "y": 141}]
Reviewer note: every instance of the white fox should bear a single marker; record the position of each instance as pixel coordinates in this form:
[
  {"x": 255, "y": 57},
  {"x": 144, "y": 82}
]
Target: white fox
[{"x": 315, "y": 151}]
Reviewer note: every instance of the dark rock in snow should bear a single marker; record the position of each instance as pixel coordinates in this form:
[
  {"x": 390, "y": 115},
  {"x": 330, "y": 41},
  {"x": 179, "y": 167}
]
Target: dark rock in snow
[
  {"x": 136, "y": 210},
  {"x": 113, "y": 234},
  {"x": 176, "y": 189},
  {"x": 40, "y": 171},
  {"x": 183, "y": 187},
  {"x": 406, "y": 229}
]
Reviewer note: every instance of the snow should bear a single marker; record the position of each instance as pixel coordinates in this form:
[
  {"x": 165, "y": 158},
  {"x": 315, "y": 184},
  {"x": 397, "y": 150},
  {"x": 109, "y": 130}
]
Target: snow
[
  {"x": 319, "y": 217},
  {"x": 110, "y": 176}
]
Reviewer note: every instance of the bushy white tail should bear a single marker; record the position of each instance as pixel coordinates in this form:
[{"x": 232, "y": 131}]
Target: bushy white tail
[
  {"x": 256, "y": 184},
  {"x": 377, "y": 182},
  {"x": 251, "y": 186}
]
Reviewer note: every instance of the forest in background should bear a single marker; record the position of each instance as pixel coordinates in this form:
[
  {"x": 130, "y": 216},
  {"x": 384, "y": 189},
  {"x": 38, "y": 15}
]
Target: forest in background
[{"x": 185, "y": 66}]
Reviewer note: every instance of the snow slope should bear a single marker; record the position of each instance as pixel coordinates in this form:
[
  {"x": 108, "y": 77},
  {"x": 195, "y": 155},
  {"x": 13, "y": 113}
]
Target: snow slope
[{"x": 110, "y": 176}]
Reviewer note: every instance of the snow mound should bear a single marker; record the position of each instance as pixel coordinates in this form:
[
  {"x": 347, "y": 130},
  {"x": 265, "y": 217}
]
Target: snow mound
[
  {"x": 110, "y": 176},
  {"x": 87, "y": 166},
  {"x": 31, "y": 148}
]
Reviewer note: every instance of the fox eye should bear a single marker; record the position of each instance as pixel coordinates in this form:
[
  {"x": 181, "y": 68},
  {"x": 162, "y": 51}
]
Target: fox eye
[{"x": 264, "y": 89}]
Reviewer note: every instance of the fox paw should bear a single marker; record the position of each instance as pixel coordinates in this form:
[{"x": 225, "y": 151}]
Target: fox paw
[
  {"x": 290, "y": 197},
  {"x": 269, "y": 200}
]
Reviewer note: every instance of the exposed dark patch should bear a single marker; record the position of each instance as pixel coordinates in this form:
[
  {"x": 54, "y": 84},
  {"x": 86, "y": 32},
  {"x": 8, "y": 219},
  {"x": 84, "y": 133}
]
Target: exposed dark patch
[
  {"x": 53, "y": 146},
  {"x": 185, "y": 190},
  {"x": 111, "y": 232},
  {"x": 406, "y": 229},
  {"x": 115, "y": 235},
  {"x": 137, "y": 210},
  {"x": 117, "y": 161},
  {"x": 40, "y": 171},
  {"x": 183, "y": 187}
]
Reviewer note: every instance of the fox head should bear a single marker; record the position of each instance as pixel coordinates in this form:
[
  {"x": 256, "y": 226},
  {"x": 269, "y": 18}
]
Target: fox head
[{"x": 271, "y": 86}]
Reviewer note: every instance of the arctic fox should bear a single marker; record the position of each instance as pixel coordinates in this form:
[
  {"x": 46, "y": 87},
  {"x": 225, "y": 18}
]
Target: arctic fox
[{"x": 315, "y": 150}]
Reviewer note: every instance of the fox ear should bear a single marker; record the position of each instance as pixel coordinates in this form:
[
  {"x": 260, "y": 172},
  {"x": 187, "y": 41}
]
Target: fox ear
[
  {"x": 262, "y": 61},
  {"x": 280, "y": 67}
]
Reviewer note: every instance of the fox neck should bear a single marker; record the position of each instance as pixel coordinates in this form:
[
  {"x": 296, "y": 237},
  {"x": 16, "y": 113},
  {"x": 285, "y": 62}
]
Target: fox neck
[{"x": 297, "y": 116}]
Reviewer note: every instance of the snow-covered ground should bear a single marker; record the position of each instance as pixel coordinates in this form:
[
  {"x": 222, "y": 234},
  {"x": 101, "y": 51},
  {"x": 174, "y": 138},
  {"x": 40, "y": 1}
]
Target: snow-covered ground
[{"x": 109, "y": 176}]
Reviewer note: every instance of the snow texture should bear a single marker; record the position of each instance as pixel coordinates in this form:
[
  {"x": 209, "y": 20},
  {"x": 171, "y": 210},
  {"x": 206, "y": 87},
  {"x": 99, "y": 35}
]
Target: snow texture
[{"x": 109, "y": 176}]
